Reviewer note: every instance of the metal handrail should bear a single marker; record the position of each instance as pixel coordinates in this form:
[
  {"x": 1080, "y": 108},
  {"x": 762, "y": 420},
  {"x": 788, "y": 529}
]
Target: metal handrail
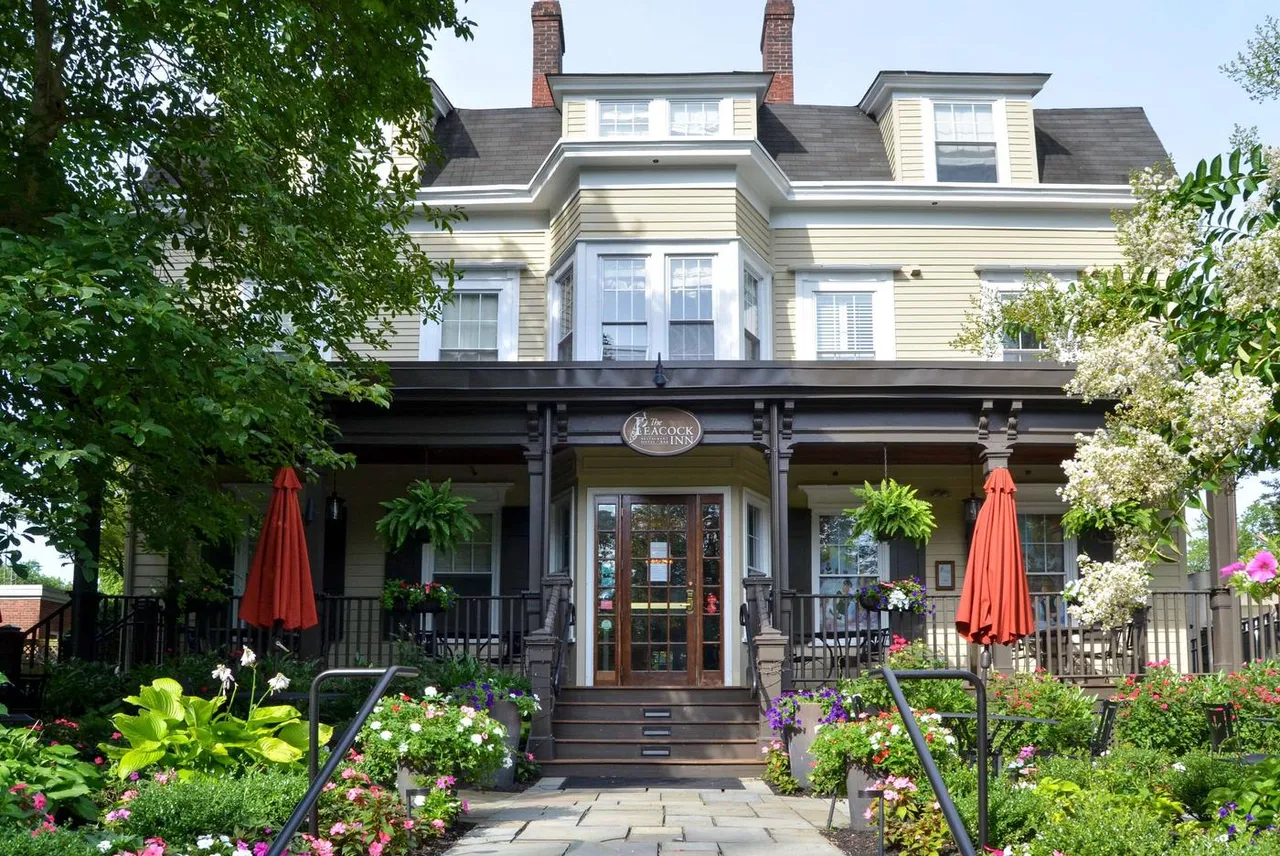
[
  {"x": 958, "y": 831},
  {"x": 306, "y": 807},
  {"x": 562, "y": 645}
]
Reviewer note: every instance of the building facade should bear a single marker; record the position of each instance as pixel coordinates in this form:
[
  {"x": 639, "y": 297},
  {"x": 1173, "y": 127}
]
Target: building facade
[{"x": 691, "y": 315}]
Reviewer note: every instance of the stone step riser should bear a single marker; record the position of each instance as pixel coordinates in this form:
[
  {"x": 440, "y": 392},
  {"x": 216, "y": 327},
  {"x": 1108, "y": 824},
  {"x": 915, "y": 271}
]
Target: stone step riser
[
  {"x": 656, "y": 750},
  {"x": 627, "y": 770},
  {"x": 653, "y": 695},
  {"x": 625, "y": 730},
  {"x": 656, "y": 713}
]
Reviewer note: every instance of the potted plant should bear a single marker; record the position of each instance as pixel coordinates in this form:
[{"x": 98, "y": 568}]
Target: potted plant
[
  {"x": 890, "y": 511},
  {"x": 405, "y": 596},
  {"x": 429, "y": 514},
  {"x": 897, "y": 596}
]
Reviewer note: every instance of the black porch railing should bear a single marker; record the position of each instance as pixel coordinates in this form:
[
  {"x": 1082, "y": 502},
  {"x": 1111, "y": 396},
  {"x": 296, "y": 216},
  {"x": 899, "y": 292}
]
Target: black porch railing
[
  {"x": 830, "y": 637},
  {"x": 353, "y": 631}
]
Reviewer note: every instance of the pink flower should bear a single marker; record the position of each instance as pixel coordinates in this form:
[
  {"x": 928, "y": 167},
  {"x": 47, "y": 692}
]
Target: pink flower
[
  {"x": 133, "y": 777},
  {"x": 118, "y": 814},
  {"x": 328, "y": 786},
  {"x": 39, "y": 802},
  {"x": 466, "y": 807},
  {"x": 99, "y": 761},
  {"x": 348, "y": 772},
  {"x": 338, "y": 828},
  {"x": 445, "y": 782},
  {"x": 375, "y": 849},
  {"x": 354, "y": 794},
  {"x": 408, "y": 824},
  {"x": 322, "y": 847},
  {"x": 128, "y": 795},
  {"x": 153, "y": 849},
  {"x": 438, "y": 825},
  {"x": 1229, "y": 570},
  {"x": 1262, "y": 567}
]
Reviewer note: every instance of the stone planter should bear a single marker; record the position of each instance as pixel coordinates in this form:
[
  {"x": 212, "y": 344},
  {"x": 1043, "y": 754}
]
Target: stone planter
[
  {"x": 508, "y": 716},
  {"x": 857, "y": 780},
  {"x": 800, "y": 741}
]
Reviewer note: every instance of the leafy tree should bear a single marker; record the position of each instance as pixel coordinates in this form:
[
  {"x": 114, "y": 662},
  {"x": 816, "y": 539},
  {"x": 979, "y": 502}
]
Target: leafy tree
[
  {"x": 1257, "y": 67},
  {"x": 27, "y": 572},
  {"x": 1259, "y": 524},
  {"x": 199, "y": 204}
]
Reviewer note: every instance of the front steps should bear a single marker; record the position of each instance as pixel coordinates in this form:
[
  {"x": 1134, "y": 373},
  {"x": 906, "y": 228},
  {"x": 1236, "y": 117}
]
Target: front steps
[{"x": 640, "y": 732}]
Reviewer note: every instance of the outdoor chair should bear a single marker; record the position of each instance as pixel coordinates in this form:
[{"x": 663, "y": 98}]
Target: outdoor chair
[
  {"x": 1223, "y": 721},
  {"x": 1106, "y": 728}
]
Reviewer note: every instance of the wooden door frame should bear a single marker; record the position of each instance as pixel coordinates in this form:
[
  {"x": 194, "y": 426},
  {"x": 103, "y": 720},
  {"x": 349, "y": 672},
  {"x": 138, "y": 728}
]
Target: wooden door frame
[{"x": 693, "y": 572}]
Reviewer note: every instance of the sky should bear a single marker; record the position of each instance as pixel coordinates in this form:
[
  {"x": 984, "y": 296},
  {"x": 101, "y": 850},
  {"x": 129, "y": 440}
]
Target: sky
[{"x": 1163, "y": 56}]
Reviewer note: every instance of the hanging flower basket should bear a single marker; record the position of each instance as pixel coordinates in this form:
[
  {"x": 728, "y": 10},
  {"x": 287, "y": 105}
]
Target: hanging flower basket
[
  {"x": 897, "y": 596},
  {"x": 404, "y": 597},
  {"x": 869, "y": 598}
]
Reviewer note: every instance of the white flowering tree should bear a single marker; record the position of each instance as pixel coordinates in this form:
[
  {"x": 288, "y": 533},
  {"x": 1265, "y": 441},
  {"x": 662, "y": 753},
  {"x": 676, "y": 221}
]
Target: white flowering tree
[{"x": 1183, "y": 338}]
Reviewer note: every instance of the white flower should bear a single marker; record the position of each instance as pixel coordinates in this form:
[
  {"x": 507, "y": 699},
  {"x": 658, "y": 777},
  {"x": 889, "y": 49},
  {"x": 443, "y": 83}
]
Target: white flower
[
  {"x": 430, "y": 692},
  {"x": 415, "y": 727},
  {"x": 1250, "y": 274},
  {"x": 497, "y": 728},
  {"x": 466, "y": 721},
  {"x": 1136, "y": 365},
  {"x": 403, "y": 748},
  {"x": 240, "y": 851},
  {"x": 204, "y": 842},
  {"x": 1157, "y": 233},
  {"x": 385, "y": 735},
  {"x": 375, "y": 725},
  {"x": 1223, "y": 411},
  {"x": 248, "y": 658},
  {"x": 419, "y": 800},
  {"x": 223, "y": 674},
  {"x": 506, "y": 761},
  {"x": 1109, "y": 592},
  {"x": 279, "y": 683},
  {"x": 1121, "y": 464},
  {"x": 1180, "y": 767},
  {"x": 477, "y": 739},
  {"x": 104, "y": 845}
]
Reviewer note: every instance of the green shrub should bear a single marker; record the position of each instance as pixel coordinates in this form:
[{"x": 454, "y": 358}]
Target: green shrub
[
  {"x": 36, "y": 778},
  {"x": 63, "y": 842},
  {"x": 1099, "y": 825},
  {"x": 433, "y": 737},
  {"x": 1162, "y": 710},
  {"x": 77, "y": 687},
  {"x": 1131, "y": 770},
  {"x": 948, "y": 696},
  {"x": 184, "y": 811},
  {"x": 1013, "y": 814},
  {"x": 1041, "y": 695},
  {"x": 1210, "y": 844},
  {"x": 1067, "y": 768},
  {"x": 1197, "y": 775}
]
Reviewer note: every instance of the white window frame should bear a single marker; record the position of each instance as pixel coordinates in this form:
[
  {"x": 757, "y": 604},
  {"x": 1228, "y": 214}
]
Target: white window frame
[
  {"x": 1006, "y": 282},
  {"x": 879, "y": 283},
  {"x": 752, "y": 501},
  {"x": 725, "y": 295},
  {"x": 488, "y": 501},
  {"x": 720, "y": 116},
  {"x": 506, "y": 283},
  {"x": 561, "y": 501},
  {"x": 1070, "y": 544},
  {"x": 555, "y": 309},
  {"x": 999, "y": 123},
  {"x": 752, "y": 263},
  {"x": 660, "y": 116}
]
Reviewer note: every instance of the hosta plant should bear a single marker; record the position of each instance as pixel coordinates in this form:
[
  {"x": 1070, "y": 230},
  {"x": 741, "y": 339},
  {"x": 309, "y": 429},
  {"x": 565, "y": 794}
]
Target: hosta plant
[
  {"x": 890, "y": 511},
  {"x": 198, "y": 737}
]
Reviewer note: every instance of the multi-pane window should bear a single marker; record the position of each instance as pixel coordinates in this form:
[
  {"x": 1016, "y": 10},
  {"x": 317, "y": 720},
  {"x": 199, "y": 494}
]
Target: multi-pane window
[
  {"x": 623, "y": 309},
  {"x": 965, "y": 142},
  {"x": 624, "y": 118},
  {"x": 468, "y": 568},
  {"x": 694, "y": 118},
  {"x": 564, "y": 333},
  {"x": 691, "y": 330},
  {"x": 750, "y": 316},
  {"x": 757, "y": 542},
  {"x": 845, "y": 564},
  {"x": 845, "y": 325},
  {"x": 469, "y": 326},
  {"x": 1044, "y": 551},
  {"x": 1026, "y": 346}
]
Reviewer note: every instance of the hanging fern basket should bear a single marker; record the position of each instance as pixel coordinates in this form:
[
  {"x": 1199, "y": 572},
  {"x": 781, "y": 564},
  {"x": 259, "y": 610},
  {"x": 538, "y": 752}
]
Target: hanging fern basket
[{"x": 889, "y": 511}]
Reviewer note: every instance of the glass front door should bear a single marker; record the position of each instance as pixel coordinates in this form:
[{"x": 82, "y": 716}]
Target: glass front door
[{"x": 659, "y": 594}]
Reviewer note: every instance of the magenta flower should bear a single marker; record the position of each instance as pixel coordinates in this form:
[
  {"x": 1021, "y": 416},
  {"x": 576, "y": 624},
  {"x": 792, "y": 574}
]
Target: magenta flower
[
  {"x": 1231, "y": 569},
  {"x": 1262, "y": 567}
]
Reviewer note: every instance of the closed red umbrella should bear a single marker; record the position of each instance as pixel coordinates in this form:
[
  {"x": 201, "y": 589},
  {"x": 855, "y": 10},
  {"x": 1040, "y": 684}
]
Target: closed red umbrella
[
  {"x": 995, "y": 605},
  {"x": 279, "y": 586}
]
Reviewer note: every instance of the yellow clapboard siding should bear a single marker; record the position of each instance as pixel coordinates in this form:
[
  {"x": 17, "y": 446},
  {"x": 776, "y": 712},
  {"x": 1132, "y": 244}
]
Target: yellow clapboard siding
[
  {"x": 565, "y": 227},
  {"x": 575, "y": 119},
  {"x": 928, "y": 309},
  {"x": 909, "y": 138},
  {"x": 1022, "y": 143},
  {"x": 744, "y": 117},
  {"x": 666, "y": 212},
  {"x": 754, "y": 228},
  {"x": 889, "y": 132}
]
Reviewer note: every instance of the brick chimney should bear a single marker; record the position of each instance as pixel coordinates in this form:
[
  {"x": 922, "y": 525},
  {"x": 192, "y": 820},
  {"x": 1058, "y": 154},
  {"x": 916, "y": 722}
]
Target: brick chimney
[
  {"x": 775, "y": 49},
  {"x": 548, "y": 48}
]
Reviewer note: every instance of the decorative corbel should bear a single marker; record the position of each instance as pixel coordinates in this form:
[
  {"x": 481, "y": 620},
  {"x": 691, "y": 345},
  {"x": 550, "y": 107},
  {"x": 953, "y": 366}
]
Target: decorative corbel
[
  {"x": 533, "y": 424},
  {"x": 984, "y": 419},
  {"x": 1011, "y": 425},
  {"x": 562, "y": 423},
  {"x": 788, "y": 417},
  {"x": 757, "y": 422}
]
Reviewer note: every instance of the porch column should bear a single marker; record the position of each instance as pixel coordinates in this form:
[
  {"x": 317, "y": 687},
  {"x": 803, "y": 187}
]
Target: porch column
[
  {"x": 537, "y": 456},
  {"x": 779, "y": 453},
  {"x": 1224, "y": 605},
  {"x": 998, "y": 433}
]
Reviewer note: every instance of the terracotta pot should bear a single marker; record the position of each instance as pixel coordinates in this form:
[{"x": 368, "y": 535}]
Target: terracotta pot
[{"x": 800, "y": 740}]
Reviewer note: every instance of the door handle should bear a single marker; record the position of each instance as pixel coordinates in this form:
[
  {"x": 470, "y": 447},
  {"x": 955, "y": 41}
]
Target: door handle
[{"x": 688, "y": 602}]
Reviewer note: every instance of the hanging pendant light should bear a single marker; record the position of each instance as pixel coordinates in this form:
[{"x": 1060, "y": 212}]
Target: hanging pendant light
[
  {"x": 972, "y": 505},
  {"x": 334, "y": 505}
]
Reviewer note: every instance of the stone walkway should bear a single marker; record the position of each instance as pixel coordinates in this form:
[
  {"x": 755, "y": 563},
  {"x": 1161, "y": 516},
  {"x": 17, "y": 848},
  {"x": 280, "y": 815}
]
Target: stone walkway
[{"x": 547, "y": 820}]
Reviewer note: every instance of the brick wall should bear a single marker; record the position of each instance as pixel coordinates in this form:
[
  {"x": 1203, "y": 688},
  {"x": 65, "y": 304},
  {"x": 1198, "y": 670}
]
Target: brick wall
[
  {"x": 776, "y": 49},
  {"x": 27, "y": 606},
  {"x": 548, "y": 48}
]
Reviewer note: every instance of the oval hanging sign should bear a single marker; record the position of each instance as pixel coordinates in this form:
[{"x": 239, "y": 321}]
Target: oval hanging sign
[{"x": 662, "y": 431}]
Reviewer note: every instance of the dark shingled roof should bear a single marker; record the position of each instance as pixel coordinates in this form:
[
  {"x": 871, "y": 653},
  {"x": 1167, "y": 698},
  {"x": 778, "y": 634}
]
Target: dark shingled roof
[
  {"x": 1095, "y": 145},
  {"x": 809, "y": 142},
  {"x": 816, "y": 143},
  {"x": 503, "y": 146}
]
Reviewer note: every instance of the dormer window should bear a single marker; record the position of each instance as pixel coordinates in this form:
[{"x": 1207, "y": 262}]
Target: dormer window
[
  {"x": 695, "y": 118},
  {"x": 965, "y": 142},
  {"x": 624, "y": 118}
]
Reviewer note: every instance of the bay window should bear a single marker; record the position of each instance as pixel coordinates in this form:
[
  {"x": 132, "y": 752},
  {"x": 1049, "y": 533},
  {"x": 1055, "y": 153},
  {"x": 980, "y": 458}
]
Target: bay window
[
  {"x": 750, "y": 315},
  {"x": 691, "y": 334},
  {"x": 624, "y": 327},
  {"x": 564, "y": 315}
]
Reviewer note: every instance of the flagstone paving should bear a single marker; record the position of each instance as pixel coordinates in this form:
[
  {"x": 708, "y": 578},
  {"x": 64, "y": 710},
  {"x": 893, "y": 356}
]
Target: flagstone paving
[{"x": 549, "y": 820}]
